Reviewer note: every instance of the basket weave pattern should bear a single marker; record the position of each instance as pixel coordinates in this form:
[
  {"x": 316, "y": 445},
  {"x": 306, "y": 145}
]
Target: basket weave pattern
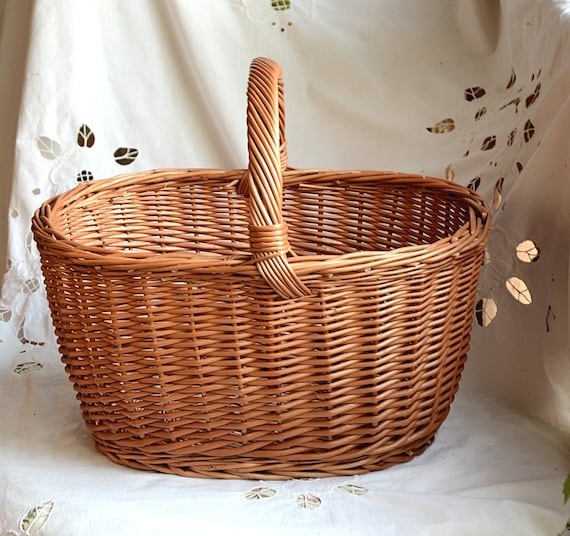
[{"x": 263, "y": 323}]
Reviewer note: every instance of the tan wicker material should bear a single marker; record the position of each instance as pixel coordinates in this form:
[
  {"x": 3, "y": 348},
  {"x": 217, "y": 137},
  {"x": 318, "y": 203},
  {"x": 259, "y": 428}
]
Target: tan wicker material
[{"x": 266, "y": 323}]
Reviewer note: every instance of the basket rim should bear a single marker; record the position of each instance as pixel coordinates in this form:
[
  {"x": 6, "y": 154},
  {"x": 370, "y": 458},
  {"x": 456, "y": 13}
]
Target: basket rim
[{"x": 471, "y": 235}]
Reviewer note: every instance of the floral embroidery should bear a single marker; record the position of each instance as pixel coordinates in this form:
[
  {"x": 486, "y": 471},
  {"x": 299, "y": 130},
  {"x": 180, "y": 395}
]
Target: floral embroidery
[
  {"x": 30, "y": 366},
  {"x": 281, "y": 5},
  {"x": 352, "y": 489},
  {"x": 125, "y": 155},
  {"x": 473, "y": 93},
  {"x": 486, "y": 308},
  {"x": 518, "y": 290},
  {"x": 256, "y": 494},
  {"x": 308, "y": 501},
  {"x": 281, "y": 14},
  {"x": 49, "y": 148},
  {"x": 85, "y": 138},
  {"x": 525, "y": 132},
  {"x": 25, "y": 293},
  {"x": 36, "y": 518},
  {"x": 304, "y": 501},
  {"x": 33, "y": 520},
  {"x": 442, "y": 127},
  {"x": 526, "y": 251},
  {"x": 22, "y": 290}
]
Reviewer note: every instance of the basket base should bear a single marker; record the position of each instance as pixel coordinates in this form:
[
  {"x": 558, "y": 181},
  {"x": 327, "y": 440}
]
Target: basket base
[{"x": 249, "y": 468}]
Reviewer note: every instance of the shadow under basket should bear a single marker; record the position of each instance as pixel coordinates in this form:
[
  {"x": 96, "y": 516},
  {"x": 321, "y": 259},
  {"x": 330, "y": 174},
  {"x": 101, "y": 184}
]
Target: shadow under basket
[{"x": 265, "y": 323}]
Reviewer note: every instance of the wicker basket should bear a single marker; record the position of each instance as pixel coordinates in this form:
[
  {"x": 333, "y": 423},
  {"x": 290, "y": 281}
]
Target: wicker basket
[{"x": 207, "y": 337}]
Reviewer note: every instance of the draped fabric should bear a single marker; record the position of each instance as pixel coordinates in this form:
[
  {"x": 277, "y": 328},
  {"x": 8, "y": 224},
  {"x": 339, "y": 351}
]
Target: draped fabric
[{"x": 473, "y": 91}]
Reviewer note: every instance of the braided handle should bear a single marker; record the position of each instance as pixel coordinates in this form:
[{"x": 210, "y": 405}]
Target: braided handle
[{"x": 267, "y": 160}]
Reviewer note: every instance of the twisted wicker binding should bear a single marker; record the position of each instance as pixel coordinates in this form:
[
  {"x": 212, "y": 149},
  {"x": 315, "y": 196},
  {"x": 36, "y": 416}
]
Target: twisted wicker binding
[{"x": 264, "y": 323}]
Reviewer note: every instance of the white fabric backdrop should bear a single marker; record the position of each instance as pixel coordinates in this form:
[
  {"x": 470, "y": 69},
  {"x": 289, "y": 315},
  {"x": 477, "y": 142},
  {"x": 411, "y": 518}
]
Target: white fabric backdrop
[{"x": 472, "y": 90}]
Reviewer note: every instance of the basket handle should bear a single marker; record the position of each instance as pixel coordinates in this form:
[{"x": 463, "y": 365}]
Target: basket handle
[{"x": 267, "y": 159}]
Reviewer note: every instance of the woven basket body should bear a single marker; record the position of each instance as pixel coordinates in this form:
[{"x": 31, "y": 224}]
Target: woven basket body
[{"x": 263, "y": 323}]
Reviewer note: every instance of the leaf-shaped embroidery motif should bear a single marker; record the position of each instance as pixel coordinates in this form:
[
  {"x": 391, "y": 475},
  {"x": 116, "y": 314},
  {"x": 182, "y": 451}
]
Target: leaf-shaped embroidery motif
[
  {"x": 85, "y": 136},
  {"x": 480, "y": 113},
  {"x": 531, "y": 99},
  {"x": 352, "y": 489},
  {"x": 514, "y": 102},
  {"x": 49, "y": 148},
  {"x": 528, "y": 251},
  {"x": 449, "y": 173},
  {"x": 125, "y": 155},
  {"x": 308, "y": 501},
  {"x": 488, "y": 143},
  {"x": 442, "y": 127},
  {"x": 36, "y": 518},
  {"x": 520, "y": 167},
  {"x": 511, "y": 138},
  {"x": 485, "y": 311},
  {"x": 255, "y": 494},
  {"x": 498, "y": 193},
  {"x": 474, "y": 184},
  {"x": 512, "y": 79},
  {"x": 29, "y": 242},
  {"x": 473, "y": 93},
  {"x": 529, "y": 130},
  {"x": 519, "y": 290},
  {"x": 29, "y": 366}
]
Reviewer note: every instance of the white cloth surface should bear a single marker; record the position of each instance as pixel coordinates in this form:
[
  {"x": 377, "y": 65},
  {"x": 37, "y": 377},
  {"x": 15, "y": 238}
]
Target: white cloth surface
[
  {"x": 368, "y": 84},
  {"x": 489, "y": 471}
]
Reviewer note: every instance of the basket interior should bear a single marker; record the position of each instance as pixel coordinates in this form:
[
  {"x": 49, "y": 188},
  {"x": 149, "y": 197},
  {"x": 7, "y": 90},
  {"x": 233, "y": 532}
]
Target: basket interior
[
  {"x": 208, "y": 216},
  {"x": 345, "y": 218}
]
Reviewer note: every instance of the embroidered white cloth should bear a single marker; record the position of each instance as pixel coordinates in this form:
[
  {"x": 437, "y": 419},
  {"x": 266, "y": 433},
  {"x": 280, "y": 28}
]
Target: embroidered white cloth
[
  {"x": 491, "y": 470},
  {"x": 474, "y": 91}
]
